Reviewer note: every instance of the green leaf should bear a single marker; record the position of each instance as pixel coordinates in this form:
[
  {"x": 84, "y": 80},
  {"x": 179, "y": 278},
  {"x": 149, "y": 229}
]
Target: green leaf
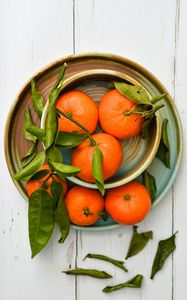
[
  {"x": 56, "y": 189},
  {"x": 28, "y": 157},
  {"x": 39, "y": 133},
  {"x": 158, "y": 98},
  {"x": 54, "y": 154},
  {"x": 40, "y": 174},
  {"x": 31, "y": 168},
  {"x": 97, "y": 172},
  {"x": 117, "y": 263},
  {"x": 165, "y": 249},
  {"x": 41, "y": 220},
  {"x": 88, "y": 272},
  {"x": 135, "y": 282},
  {"x": 65, "y": 170},
  {"x": 69, "y": 139},
  {"x": 37, "y": 99},
  {"x": 62, "y": 219},
  {"x": 135, "y": 93},
  {"x": 27, "y": 123},
  {"x": 60, "y": 77},
  {"x": 164, "y": 148},
  {"x": 138, "y": 241},
  {"x": 51, "y": 125},
  {"x": 146, "y": 127},
  {"x": 150, "y": 184}
]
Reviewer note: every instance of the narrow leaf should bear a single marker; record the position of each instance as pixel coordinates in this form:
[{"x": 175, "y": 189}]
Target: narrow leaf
[
  {"x": 37, "y": 99},
  {"x": 62, "y": 219},
  {"x": 54, "y": 154},
  {"x": 164, "y": 148},
  {"x": 135, "y": 282},
  {"x": 165, "y": 249},
  {"x": 41, "y": 220},
  {"x": 146, "y": 127},
  {"x": 135, "y": 93},
  {"x": 40, "y": 174},
  {"x": 69, "y": 139},
  {"x": 117, "y": 263},
  {"x": 32, "y": 167},
  {"x": 97, "y": 169},
  {"x": 28, "y": 157},
  {"x": 56, "y": 189},
  {"x": 27, "y": 123},
  {"x": 88, "y": 272},
  {"x": 158, "y": 98},
  {"x": 138, "y": 241},
  {"x": 66, "y": 170},
  {"x": 150, "y": 184},
  {"x": 51, "y": 125},
  {"x": 39, "y": 133}
]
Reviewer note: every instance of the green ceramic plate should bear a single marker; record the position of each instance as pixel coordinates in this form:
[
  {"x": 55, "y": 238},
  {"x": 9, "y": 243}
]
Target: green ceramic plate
[{"x": 15, "y": 144}]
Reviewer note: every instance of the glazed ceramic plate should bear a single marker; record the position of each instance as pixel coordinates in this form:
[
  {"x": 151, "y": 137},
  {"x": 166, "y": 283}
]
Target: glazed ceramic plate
[
  {"x": 16, "y": 145},
  {"x": 138, "y": 153}
]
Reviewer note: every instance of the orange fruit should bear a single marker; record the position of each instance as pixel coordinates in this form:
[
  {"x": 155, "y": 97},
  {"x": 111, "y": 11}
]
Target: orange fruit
[
  {"x": 33, "y": 185},
  {"x": 112, "y": 107},
  {"x": 112, "y": 156},
  {"x": 81, "y": 108},
  {"x": 128, "y": 204},
  {"x": 83, "y": 205}
]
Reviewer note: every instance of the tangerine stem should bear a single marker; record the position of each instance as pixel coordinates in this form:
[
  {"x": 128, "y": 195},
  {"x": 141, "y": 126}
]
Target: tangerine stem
[{"x": 67, "y": 116}]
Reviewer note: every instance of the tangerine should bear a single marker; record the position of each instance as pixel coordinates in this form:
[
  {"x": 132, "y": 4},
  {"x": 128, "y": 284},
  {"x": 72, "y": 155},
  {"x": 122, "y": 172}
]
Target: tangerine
[
  {"x": 84, "y": 205},
  {"x": 128, "y": 204},
  {"x": 112, "y": 156},
  {"x": 81, "y": 108},
  {"x": 113, "y": 120}
]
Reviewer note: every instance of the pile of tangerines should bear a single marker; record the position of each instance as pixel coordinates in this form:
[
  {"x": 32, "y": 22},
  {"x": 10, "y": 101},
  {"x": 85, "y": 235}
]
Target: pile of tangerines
[{"x": 127, "y": 204}]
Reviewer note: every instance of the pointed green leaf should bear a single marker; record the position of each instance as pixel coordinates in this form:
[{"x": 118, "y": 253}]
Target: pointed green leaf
[
  {"x": 97, "y": 172},
  {"x": 56, "y": 189},
  {"x": 69, "y": 139},
  {"x": 27, "y": 123},
  {"x": 62, "y": 219},
  {"x": 165, "y": 249},
  {"x": 65, "y": 170},
  {"x": 37, "y": 99},
  {"x": 31, "y": 168},
  {"x": 39, "y": 133},
  {"x": 138, "y": 241},
  {"x": 41, "y": 220},
  {"x": 135, "y": 93},
  {"x": 135, "y": 282},
  {"x": 40, "y": 174},
  {"x": 163, "y": 152},
  {"x": 51, "y": 125},
  {"x": 54, "y": 154},
  {"x": 150, "y": 184},
  {"x": 88, "y": 272},
  {"x": 29, "y": 156},
  {"x": 115, "y": 262}
]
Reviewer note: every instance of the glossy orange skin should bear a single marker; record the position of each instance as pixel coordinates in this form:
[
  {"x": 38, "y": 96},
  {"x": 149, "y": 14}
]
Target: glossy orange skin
[
  {"x": 33, "y": 185},
  {"x": 82, "y": 108},
  {"x": 130, "y": 211},
  {"x": 112, "y": 119},
  {"x": 112, "y": 156},
  {"x": 80, "y": 198}
]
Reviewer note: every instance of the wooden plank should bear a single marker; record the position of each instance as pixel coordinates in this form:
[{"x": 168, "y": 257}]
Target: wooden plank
[
  {"x": 180, "y": 205},
  {"x": 143, "y": 31},
  {"x": 33, "y": 33}
]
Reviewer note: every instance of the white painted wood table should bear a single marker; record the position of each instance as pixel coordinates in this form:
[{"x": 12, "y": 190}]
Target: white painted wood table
[{"x": 34, "y": 33}]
